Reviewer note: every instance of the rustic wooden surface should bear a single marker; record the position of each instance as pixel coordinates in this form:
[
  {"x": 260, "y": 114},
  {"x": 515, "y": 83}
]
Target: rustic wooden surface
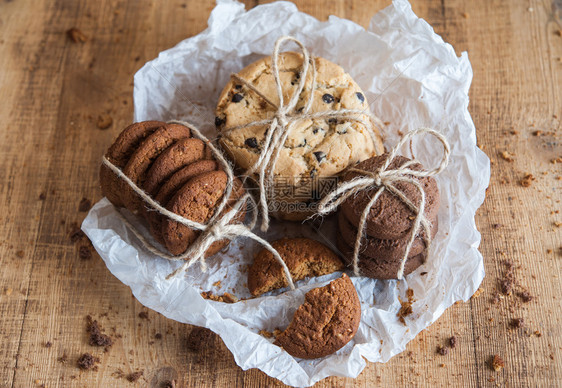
[{"x": 52, "y": 91}]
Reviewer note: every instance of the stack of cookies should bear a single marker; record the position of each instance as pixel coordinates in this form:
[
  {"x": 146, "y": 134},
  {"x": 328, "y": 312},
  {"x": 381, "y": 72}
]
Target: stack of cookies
[
  {"x": 177, "y": 171},
  {"x": 388, "y": 223},
  {"x": 316, "y": 150}
]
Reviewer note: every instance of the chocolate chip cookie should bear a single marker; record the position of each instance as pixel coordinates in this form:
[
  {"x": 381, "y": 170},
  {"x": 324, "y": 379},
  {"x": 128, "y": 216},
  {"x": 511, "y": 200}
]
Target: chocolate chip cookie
[
  {"x": 315, "y": 148},
  {"x": 325, "y": 322},
  {"x": 390, "y": 217},
  {"x": 304, "y": 258}
]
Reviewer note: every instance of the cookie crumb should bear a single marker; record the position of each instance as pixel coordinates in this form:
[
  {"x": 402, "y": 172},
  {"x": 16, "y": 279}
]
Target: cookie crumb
[
  {"x": 97, "y": 338},
  {"x": 42, "y": 196},
  {"x": 63, "y": 359},
  {"x": 143, "y": 315},
  {"x": 477, "y": 293},
  {"x": 225, "y": 298},
  {"x": 84, "y": 205},
  {"x": 85, "y": 253},
  {"x": 87, "y": 361},
  {"x": 132, "y": 377},
  {"x": 20, "y": 254},
  {"x": 104, "y": 121},
  {"x": 453, "y": 342},
  {"x": 496, "y": 363},
  {"x": 465, "y": 15},
  {"x": 517, "y": 323},
  {"x": 527, "y": 180},
  {"x": 537, "y": 133},
  {"x": 525, "y": 296},
  {"x": 158, "y": 336},
  {"x": 198, "y": 337},
  {"x": 442, "y": 350},
  {"x": 48, "y": 344},
  {"x": 76, "y": 35},
  {"x": 265, "y": 333},
  {"x": 406, "y": 307},
  {"x": 507, "y": 156},
  {"x": 76, "y": 233}
]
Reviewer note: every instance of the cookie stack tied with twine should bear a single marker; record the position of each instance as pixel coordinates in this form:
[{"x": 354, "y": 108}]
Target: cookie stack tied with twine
[
  {"x": 291, "y": 122},
  {"x": 388, "y": 212},
  {"x": 181, "y": 183}
]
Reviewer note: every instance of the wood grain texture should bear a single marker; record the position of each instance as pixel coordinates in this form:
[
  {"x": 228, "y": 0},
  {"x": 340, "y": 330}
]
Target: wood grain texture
[{"x": 52, "y": 92}]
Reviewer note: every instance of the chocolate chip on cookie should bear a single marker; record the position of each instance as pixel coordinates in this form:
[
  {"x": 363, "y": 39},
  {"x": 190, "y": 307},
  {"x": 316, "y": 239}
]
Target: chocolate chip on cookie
[
  {"x": 304, "y": 258},
  {"x": 326, "y": 321},
  {"x": 390, "y": 217},
  {"x": 119, "y": 153}
]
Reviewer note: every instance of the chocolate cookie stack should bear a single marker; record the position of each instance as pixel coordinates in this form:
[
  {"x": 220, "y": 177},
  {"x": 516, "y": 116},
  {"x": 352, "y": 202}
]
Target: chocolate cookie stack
[
  {"x": 388, "y": 224},
  {"x": 176, "y": 170}
]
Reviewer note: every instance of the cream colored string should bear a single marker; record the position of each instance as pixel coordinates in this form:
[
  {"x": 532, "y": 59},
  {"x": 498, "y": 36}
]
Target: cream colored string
[
  {"x": 281, "y": 124},
  {"x": 217, "y": 228},
  {"x": 384, "y": 179}
]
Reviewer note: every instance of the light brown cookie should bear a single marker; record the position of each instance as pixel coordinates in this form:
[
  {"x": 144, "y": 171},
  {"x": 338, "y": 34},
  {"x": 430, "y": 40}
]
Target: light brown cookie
[
  {"x": 170, "y": 187},
  {"x": 143, "y": 157},
  {"x": 173, "y": 158},
  {"x": 119, "y": 154},
  {"x": 390, "y": 217},
  {"x": 304, "y": 258},
  {"x": 197, "y": 201},
  {"x": 315, "y": 148},
  {"x": 325, "y": 322}
]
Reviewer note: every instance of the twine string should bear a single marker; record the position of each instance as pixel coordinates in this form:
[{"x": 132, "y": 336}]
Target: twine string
[
  {"x": 217, "y": 228},
  {"x": 286, "y": 115},
  {"x": 384, "y": 178}
]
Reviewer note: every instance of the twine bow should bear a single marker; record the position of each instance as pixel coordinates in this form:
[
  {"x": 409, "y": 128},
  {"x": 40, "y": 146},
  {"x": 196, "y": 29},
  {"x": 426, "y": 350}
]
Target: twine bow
[
  {"x": 281, "y": 124},
  {"x": 217, "y": 228},
  {"x": 384, "y": 178}
]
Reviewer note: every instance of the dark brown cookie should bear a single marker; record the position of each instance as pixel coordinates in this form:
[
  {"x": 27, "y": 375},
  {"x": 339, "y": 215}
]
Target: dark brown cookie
[
  {"x": 304, "y": 258},
  {"x": 388, "y": 250},
  {"x": 377, "y": 268},
  {"x": 145, "y": 154},
  {"x": 176, "y": 156},
  {"x": 326, "y": 321},
  {"x": 197, "y": 201},
  {"x": 389, "y": 217},
  {"x": 169, "y": 188},
  {"x": 119, "y": 154}
]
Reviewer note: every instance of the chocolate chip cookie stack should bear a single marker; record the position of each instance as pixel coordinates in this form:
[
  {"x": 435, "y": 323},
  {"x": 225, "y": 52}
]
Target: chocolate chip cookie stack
[
  {"x": 388, "y": 223},
  {"x": 316, "y": 149},
  {"x": 176, "y": 170}
]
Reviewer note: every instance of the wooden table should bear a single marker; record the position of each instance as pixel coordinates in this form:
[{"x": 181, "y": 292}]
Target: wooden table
[{"x": 53, "y": 90}]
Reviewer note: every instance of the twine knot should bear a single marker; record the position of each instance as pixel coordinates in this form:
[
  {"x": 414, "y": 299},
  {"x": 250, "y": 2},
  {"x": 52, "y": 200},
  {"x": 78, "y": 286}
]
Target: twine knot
[
  {"x": 384, "y": 178},
  {"x": 286, "y": 114}
]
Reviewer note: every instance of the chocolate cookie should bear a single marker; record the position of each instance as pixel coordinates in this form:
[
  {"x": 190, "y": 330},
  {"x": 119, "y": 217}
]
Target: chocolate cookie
[
  {"x": 388, "y": 250},
  {"x": 304, "y": 258},
  {"x": 169, "y": 188},
  {"x": 176, "y": 156},
  {"x": 325, "y": 322},
  {"x": 389, "y": 217},
  {"x": 197, "y": 201},
  {"x": 378, "y": 268},
  {"x": 143, "y": 157},
  {"x": 119, "y": 154}
]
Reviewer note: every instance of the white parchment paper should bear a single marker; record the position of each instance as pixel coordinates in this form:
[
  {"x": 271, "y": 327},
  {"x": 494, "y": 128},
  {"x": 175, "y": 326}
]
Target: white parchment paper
[{"x": 412, "y": 79}]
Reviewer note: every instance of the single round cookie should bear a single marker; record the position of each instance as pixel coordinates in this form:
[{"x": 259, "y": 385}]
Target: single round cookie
[
  {"x": 388, "y": 250},
  {"x": 169, "y": 188},
  {"x": 196, "y": 200},
  {"x": 119, "y": 154},
  {"x": 390, "y": 217},
  {"x": 145, "y": 154},
  {"x": 314, "y": 148},
  {"x": 304, "y": 258},
  {"x": 378, "y": 268},
  {"x": 326, "y": 321},
  {"x": 176, "y": 156}
]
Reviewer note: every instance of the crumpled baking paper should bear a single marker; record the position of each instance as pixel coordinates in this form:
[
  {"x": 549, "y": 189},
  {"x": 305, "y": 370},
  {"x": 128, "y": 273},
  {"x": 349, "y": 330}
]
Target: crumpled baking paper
[{"x": 412, "y": 79}]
